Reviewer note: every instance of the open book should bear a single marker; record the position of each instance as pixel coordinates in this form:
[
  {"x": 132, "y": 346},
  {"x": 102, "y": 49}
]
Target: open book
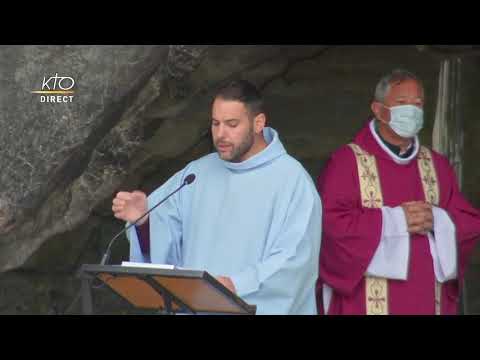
[{"x": 152, "y": 266}]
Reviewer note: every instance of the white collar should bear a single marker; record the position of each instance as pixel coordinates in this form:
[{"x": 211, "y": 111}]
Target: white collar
[{"x": 399, "y": 160}]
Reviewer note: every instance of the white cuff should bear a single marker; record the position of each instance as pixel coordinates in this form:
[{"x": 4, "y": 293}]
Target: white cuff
[
  {"x": 391, "y": 259},
  {"x": 443, "y": 246}
]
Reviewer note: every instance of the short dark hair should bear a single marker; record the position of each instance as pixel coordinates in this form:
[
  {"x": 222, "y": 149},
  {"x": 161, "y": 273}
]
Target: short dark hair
[{"x": 245, "y": 92}]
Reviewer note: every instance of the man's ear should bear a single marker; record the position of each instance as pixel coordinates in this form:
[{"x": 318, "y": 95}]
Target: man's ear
[
  {"x": 259, "y": 123},
  {"x": 378, "y": 110}
]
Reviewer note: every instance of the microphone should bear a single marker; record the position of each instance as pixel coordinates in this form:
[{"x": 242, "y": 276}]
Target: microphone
[{"x": 187, "y": 181}]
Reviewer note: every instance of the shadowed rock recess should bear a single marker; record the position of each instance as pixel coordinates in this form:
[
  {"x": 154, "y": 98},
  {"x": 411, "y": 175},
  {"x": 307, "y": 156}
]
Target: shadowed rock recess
[{"x": 139, "y": 114}]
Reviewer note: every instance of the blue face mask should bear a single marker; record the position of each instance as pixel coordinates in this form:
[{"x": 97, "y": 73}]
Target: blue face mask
[{"x": 406, "y": 120}]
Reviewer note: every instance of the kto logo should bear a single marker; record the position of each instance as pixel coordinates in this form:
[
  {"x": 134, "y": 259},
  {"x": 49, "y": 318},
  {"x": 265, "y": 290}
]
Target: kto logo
[{"x": 57, "y": 89}]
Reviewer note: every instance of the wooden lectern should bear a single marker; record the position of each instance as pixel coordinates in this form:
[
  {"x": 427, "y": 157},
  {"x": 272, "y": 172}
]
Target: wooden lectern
[{"x": 170, "y": 291}]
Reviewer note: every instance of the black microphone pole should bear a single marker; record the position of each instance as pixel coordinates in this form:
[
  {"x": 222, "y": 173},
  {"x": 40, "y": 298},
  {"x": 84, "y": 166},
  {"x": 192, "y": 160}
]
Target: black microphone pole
[{"x": 188, "y": 180}]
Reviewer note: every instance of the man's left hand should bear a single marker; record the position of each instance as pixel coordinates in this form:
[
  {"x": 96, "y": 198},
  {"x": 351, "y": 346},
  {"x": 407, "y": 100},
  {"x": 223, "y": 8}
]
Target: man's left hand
[{"x": 227, "y": 282}]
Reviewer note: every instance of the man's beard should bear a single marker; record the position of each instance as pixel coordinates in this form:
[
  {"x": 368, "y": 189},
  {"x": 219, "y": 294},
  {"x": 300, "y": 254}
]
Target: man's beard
[{"x": 240, "y": 150}]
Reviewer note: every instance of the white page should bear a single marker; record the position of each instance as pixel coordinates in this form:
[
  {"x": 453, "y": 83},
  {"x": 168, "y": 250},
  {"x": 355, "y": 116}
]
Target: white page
[
  {"x": 148, "y": 265},
  {"x": 153, "y": 266}
]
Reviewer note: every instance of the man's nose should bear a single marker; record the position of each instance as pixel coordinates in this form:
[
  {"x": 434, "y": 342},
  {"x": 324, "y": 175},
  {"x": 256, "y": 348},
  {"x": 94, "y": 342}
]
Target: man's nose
[{"x": 221, "y": 131}]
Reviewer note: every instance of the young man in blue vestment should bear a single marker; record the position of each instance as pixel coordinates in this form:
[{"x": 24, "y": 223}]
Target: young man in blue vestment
[{"x": 252, "y": 217}]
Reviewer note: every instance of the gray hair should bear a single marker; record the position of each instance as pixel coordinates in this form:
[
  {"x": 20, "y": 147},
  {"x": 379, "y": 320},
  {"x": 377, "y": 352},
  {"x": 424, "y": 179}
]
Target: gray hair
[{"x": 396, "y": 76}]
